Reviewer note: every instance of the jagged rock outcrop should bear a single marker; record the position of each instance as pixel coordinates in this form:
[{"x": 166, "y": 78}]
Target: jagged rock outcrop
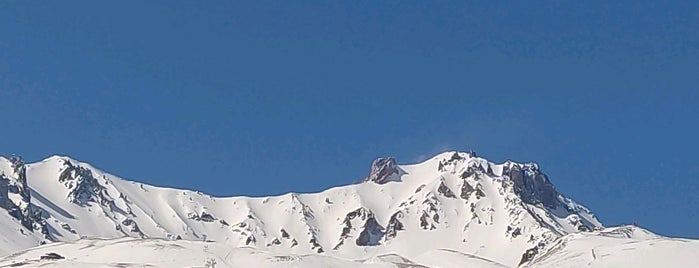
[
  {"x": 83, "y": 186},
  {"x": 361, "y": 223},
  {"x": 445, "y": 190},
  {"x": 15, "y": 196},
  {"x": 384, "y": 170},
  {"x": 371, "y": 234},
  {"x": 466, "y": 190},
  {"x": 4, "y": 190},
  {"x": 394, "y": 225},
  {"x": 531, "y": 185},
  {"x": 21, "y": 209},
  {"x": 204, "y": 216},
  {"x": 528, "y": 255}
]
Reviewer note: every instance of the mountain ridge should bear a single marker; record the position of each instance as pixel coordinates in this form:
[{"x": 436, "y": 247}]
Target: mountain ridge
[{"x": 507, "y": 213}]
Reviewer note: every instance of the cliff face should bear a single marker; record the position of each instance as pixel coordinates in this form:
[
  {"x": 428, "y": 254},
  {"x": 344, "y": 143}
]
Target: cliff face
[{"x": 15, "y": 194}]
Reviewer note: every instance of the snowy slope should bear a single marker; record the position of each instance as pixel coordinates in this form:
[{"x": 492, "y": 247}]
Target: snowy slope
[
  {"x": 625, "y": 246},
  {"x": 14, "y": 236},
  {"x": 454, "y": 206},
  {"x": 614, "y": 247},
  {"x": 130, "y": 252}
]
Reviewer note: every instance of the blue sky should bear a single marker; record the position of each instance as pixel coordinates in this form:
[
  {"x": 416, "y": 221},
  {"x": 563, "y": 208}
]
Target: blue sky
[{"x": 269, "y": 97}]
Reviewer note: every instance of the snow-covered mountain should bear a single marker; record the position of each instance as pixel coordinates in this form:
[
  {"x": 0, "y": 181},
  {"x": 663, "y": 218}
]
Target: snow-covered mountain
[{"x": 453, "y": 208}]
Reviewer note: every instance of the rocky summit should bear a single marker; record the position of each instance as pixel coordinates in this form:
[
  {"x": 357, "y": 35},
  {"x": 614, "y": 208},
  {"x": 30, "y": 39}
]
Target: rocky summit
[{"x": 455, "y": 208}]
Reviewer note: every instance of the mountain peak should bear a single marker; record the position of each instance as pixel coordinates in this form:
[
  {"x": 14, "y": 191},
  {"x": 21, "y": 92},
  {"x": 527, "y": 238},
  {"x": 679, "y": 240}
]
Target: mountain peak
[
  {"x": 384, "y": 170},
  {"x": 452, "y": 199}
]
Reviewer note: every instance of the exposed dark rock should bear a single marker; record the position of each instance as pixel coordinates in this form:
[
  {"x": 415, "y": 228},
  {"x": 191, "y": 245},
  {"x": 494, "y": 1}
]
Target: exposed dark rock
[
  {"x": 19, "y": 208},
  {"x": 430, "y": 213},
  {"x": 583, "y": 228},
  {"x": 479, "y": 191},
  {"x": 467, "y": 173},
  {"x": 315, "y": 245},
  {"x": 342, "y": 242},
  {"x": 51, "y": 256},
  {"x": 531, "y": 185},
  {"x": 346, "y": 230},
  {"x": 475, "y": 168},
  {"x": 21, "y": 171},
  {"x": 284, "y": 234},
  {"x": 424, "y": 224},
  {"x": 250, "y": 241},
  {"x": 384, "y": 170},
  {"x": 4, "y": 190},
  {"x": 528, "y": 255},
  {"x": 40, "y": 222},
  {"x": 307, "y": 212},
  {"x": 435, "y": 217},
  {"x": 489, "y": 171},
  {"x": 466, "y": 190},
  {"x": 206, "y": 217},
  {"x": 444, "y": 190},
  {"x": 456, "y": 157},
  {"x": 517, "y": 232},
  {"x": 371, "y": 234},
  {"x": 83, "y": 186},
  {"x": 371, "y": 230},
  {"x": 133, "y": 226},
  {"x": 394, "y": 225},
  {"x": 67, "y": 227}
]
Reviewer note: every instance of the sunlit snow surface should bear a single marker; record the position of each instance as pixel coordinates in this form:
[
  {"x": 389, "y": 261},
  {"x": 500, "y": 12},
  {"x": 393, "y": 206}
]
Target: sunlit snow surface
[
  {"x": 598, "y": 249},
  {"x": 624, "y": 246},
  {"x": 453, "y": 210}
]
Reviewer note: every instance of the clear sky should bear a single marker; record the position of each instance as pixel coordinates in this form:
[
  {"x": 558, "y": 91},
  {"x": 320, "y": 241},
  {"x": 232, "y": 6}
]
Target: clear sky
[{"x": 270, "y": 97}]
